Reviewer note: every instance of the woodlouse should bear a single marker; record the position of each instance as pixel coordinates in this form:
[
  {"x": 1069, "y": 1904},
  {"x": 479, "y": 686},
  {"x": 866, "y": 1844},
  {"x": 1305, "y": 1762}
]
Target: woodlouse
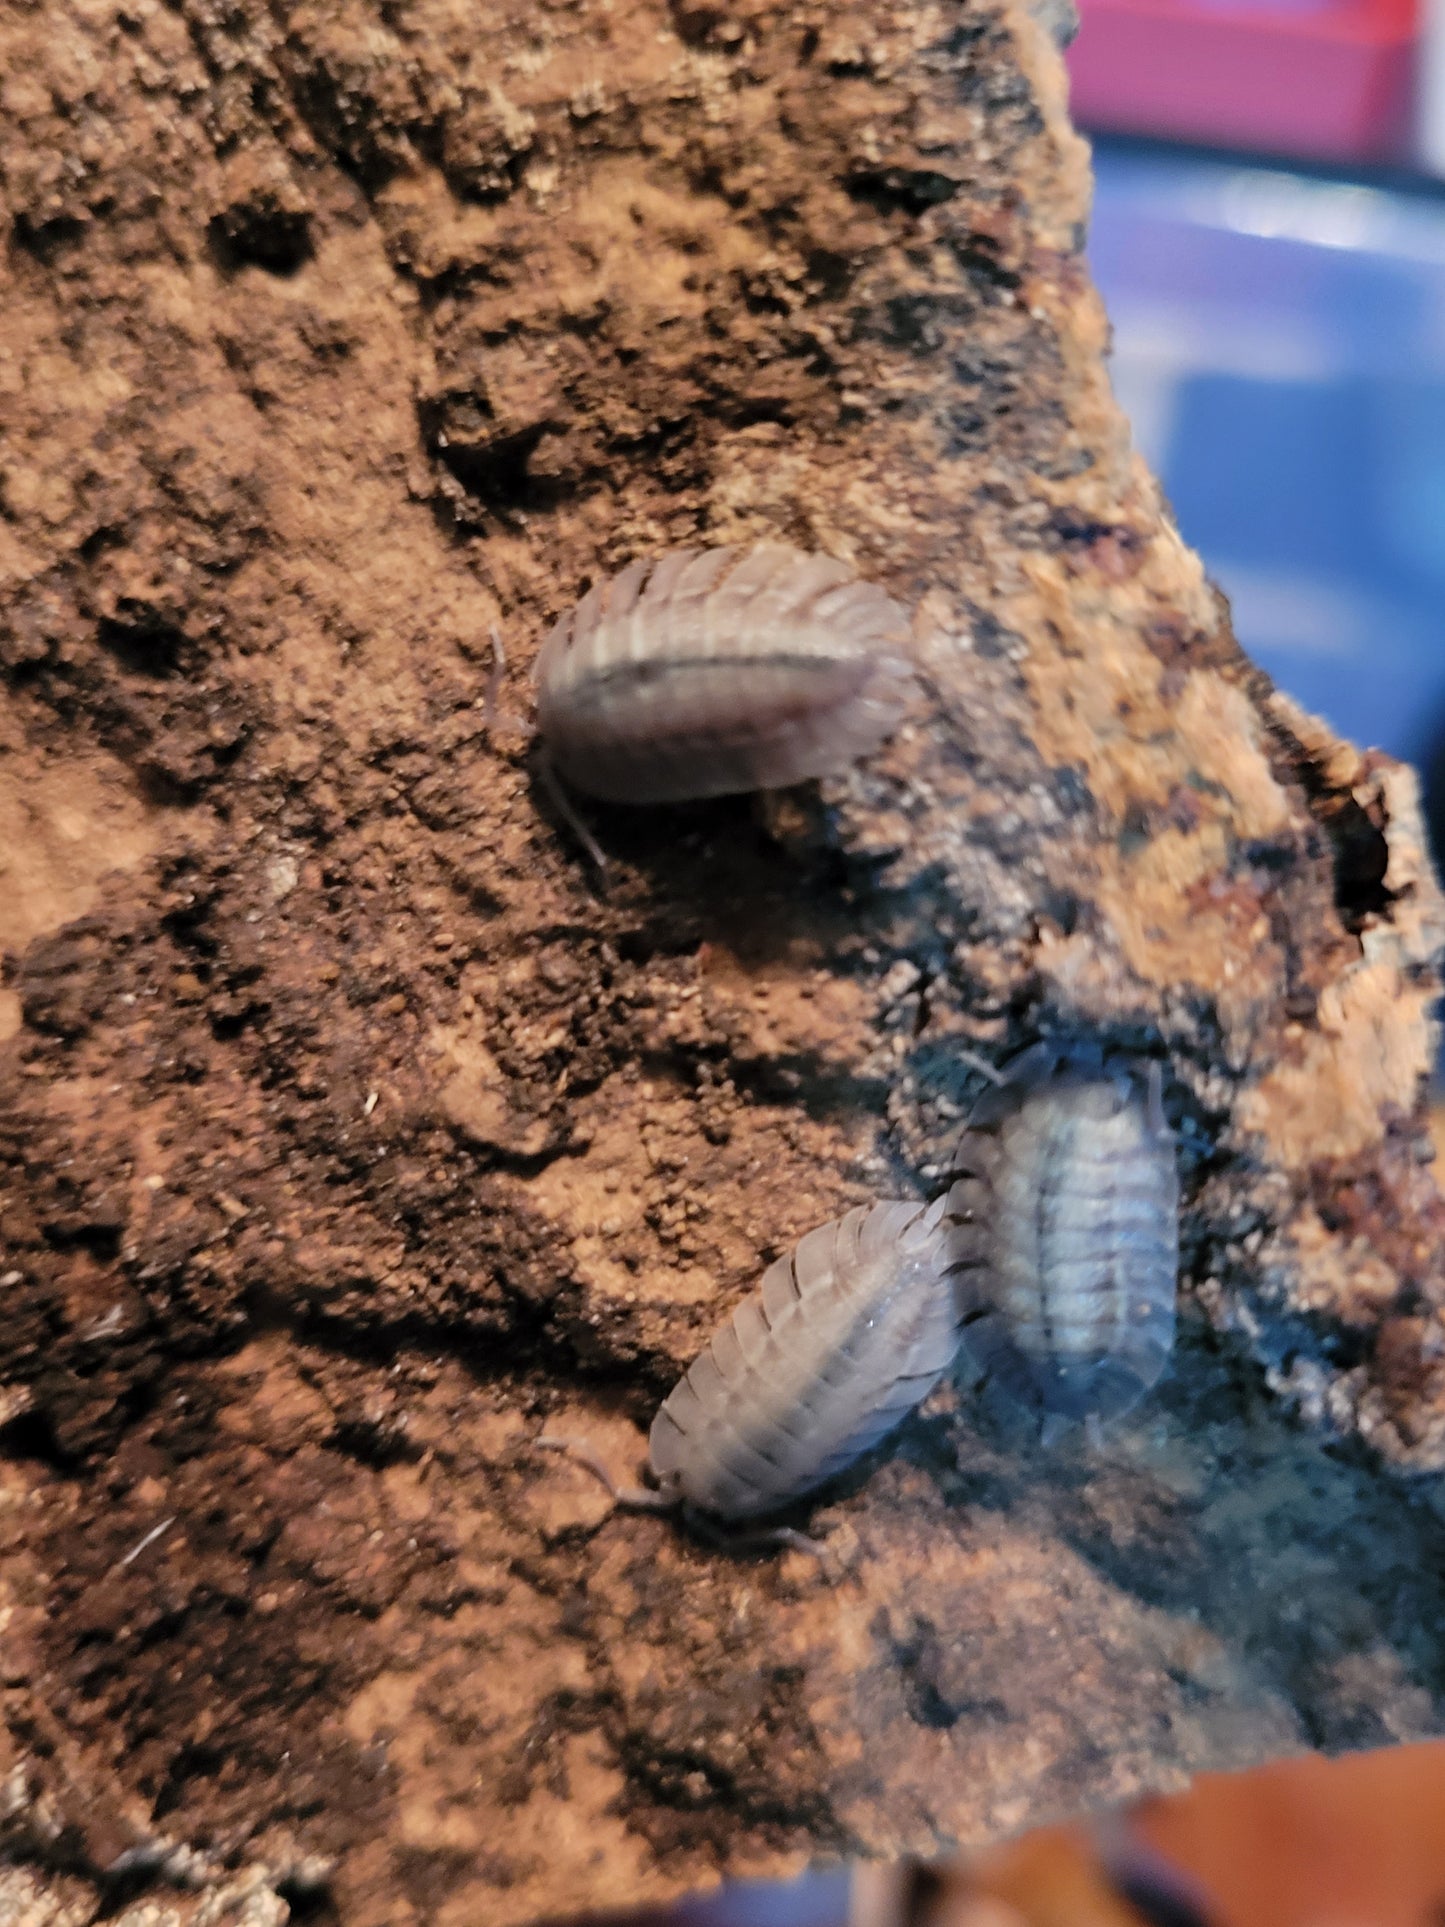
[
  {"x": 701, "y": 672},
  {"x": 1065, "y": 1233},
  {"x": 842, "y": 1338}
]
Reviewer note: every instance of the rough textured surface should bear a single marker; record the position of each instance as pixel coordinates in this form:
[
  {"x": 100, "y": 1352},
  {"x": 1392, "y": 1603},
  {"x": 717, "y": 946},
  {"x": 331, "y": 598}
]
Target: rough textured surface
[{"x": 348, "y": 1136}]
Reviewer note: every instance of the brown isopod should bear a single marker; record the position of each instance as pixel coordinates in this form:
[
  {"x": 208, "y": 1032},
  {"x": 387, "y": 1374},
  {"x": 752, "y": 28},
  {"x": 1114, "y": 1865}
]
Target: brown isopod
[
  {"x": 842, "y": 1338},
  {"x": 701, "y": 672},
  {"x": 1065, "y": 1233}
]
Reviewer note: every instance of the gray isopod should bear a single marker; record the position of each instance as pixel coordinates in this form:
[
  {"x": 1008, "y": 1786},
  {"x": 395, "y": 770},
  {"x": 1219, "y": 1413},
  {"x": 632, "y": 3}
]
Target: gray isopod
[
  {"x": 1065, "y": 1231},
  {"x": 701, "y": 672},
  {"x": 843, "y": 1337}
]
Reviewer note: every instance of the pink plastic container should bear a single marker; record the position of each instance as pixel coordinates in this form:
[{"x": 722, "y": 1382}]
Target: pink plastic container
[{"x": 1322, "y": 79}]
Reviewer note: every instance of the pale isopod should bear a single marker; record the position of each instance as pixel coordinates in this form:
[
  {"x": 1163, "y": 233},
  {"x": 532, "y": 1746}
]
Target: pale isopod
[
  {"x": 702, "y": 672},
  {"x": 1065, "y": 1233},
  {"x": 843, "y": 1337}
]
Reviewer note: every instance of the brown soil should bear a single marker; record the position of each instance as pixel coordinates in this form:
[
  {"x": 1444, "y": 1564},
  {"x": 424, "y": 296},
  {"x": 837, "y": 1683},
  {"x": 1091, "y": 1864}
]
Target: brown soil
[{"x": 349, "y": 1134}]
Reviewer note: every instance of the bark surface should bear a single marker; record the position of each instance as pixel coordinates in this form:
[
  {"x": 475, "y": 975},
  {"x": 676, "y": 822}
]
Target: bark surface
[{"x": 349, "y": 1136}]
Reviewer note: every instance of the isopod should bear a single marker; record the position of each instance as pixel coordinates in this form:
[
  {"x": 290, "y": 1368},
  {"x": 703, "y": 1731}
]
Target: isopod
[
  {"x": 700, "y": 672},
  {"x": 842, "y": 1338},
  {"x": 1065, "y": 1233}
]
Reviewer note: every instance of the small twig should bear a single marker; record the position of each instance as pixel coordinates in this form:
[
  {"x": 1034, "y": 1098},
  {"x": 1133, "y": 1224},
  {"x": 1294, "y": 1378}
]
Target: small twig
[{"x": 149, "y": 1540}]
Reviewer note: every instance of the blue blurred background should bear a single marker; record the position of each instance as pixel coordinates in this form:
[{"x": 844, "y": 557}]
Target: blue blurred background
[{"x": 1279, "y": 345}]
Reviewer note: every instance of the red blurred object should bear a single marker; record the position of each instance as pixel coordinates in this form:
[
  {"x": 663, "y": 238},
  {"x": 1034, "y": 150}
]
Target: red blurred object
[
  {"x": 1322, "y": 79},
  {"x": 1353, "y": 1842}
]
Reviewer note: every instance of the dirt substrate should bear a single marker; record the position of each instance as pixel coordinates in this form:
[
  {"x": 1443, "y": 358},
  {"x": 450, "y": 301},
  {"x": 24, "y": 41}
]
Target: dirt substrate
[{"x": 350, "y": 1135}]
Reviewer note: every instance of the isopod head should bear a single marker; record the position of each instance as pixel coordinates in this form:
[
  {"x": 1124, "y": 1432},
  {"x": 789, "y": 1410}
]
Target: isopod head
[
  {"x": 703, "y": 672},
  {"x": 1065, "y": 1233}
]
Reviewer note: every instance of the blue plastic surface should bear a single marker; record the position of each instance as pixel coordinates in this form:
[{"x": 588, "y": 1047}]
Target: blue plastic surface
[
  {"x": 818, "y": 1899},
  {"x": 1280, "y": 348}
]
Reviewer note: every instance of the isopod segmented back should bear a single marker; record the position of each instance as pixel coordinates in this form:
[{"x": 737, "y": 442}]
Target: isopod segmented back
[
  {"x": 702, "y": 672},
  {"x": 1065, "y": 1232},
  {"x": 841, "y": 1340}
]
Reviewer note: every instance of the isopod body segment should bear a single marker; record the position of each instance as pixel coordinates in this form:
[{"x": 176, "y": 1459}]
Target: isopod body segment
[
  {"x": 702, "y": 672},
  {"x": 1065, "y": 1234},
  {"x": 843, "y": 1337}
]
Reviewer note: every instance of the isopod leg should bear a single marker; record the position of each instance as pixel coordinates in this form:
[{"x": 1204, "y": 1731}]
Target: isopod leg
[
  {"x": 493, "y": 716},
  {"x": 634, "y": 1498},
  {"x": 1055, "y": 1426},
  {"x": 794, "y": 1541},
  {"x": 1095, "y": 1432},
  {"x": 552, "y": 783},
  {"x": 758, "y": 1539},
  {"x": 979, "y": 1064},
  {"x": 1158, "y": 1123}
]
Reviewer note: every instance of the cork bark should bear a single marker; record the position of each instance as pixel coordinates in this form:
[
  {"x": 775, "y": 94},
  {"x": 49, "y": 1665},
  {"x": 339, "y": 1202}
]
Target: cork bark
[{"x": 350, "y": 1135}]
